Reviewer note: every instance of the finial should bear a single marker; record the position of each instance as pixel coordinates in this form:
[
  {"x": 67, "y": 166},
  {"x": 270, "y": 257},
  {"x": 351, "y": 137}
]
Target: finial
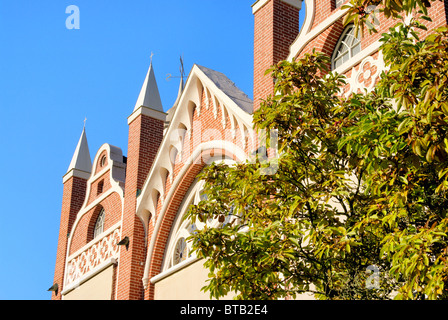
[
  {"x": 182, "y": 72},
  {"x": 85, "y": 119},
  {"x": 152, "y": 53}
]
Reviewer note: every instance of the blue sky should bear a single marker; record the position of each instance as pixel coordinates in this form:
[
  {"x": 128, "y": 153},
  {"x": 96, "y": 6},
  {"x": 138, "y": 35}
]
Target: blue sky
[{"x": 51, "y": 78}]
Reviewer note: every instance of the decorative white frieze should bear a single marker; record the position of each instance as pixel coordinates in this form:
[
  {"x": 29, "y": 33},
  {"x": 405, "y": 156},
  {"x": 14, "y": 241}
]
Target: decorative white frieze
[
  {"x": 366, "y": 75},
  {"x": 85, "y": 261}
]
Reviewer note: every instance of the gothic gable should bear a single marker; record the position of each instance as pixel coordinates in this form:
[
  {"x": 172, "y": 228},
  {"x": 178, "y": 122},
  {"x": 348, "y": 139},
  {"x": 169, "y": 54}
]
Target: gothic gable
[{"x": 211, "y": 113}]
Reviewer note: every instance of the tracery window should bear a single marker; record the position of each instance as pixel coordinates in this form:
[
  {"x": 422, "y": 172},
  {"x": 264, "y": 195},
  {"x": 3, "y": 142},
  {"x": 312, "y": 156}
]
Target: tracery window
[
  {"x": 180, "y": 251},
  {"x": 347, "y": 47},
  {"x": 179, "y": 248},
  {"x": 99, "y": 224}
]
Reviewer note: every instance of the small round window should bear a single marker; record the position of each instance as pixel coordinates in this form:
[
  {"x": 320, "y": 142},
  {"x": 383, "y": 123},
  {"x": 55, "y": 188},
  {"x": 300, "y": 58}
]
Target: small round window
[
  {"x": 103, "y": 161},
  {"x": 180, "y": 252}
]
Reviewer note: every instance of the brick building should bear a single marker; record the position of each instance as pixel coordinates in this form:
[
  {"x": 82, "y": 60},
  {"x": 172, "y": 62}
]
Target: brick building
[{"x": 138, "y": 200}]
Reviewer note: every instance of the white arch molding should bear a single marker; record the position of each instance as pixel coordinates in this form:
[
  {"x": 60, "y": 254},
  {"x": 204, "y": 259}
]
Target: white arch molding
[
  {"x": 178, "y": 131},
  {"x": 227, "y": 147},
  {"x": 181, "y": 228}
]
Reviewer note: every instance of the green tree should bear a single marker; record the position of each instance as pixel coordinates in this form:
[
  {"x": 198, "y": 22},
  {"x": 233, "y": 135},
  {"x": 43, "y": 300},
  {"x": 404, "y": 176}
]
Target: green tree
[
  {"x": 361, "y": 185},
  {"x": 364, "y": 13}
]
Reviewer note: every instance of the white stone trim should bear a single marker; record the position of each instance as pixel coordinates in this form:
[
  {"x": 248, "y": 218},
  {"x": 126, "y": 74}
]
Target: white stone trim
[
  {"x": 174, "y": 269},
  {"x": 223, "y": 99},
  {"x": 357, "y": 79},
  {"x": 74, "y": 269},
  {"x": 295, "y": 3},
  {"x": 142, "y": 110},
  {"x": 117, "y": 179},
  {"x": 143, "y": 204},
  {"x": 94, "y": 241},
  {"x": 76, "y": 173},
  {"x": 307, "y": 34},
  {"x": 180, "y": 226},
  {"x": 260, "y": 3},
  {"x": 241, "y": 155},
  {"x": 356, "y": 59},
  {"x": 89, "y": 275},
  {"x": 182, "y": 117}
]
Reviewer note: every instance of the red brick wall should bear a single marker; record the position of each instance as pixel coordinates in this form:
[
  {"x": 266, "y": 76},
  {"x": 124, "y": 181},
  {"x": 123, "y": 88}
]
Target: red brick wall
[
  {"x": 326, "y": 41},
  {"x": 207, "y": 125},
  {"x": 205, "y": 128},
  {"x": 83, "y": 233},
  {"x": 105, "y": 180},
  {"x": 145, "y": 135},
  {"x": 324, "y": 8},
  {"x": 168, "y": 219},
  {"x": 73, "y": 198},
  {"x": 99, "y": 166},
  {"x": 276, "y": 28}
]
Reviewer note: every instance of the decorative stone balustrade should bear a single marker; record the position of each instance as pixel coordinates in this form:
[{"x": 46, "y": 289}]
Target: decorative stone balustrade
[{"x": 92, "y": 258}]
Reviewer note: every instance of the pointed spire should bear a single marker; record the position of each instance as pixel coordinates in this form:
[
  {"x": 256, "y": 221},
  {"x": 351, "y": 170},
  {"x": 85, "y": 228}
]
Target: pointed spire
[
  {"x": 81, "y": 158},
  {"x": 181, "y": 89},
  {"x": 149, "y": 94},
  {"x": 181, "y": 84},
  {"x": 179, "y": 94}
]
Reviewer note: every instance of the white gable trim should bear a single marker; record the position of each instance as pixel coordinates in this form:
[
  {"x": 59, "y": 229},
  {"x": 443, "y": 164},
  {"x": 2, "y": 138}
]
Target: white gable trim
[
  {"x": 142, "y": 110},
  {"x": 117, "y": 179},
  {"x": 260, "y": 3},
  {"x": 226, "y": 145},
  {"x": 76, "y": 173},
  {"x": 182, "y": 118},
  {"x": 307, "y": 34}
]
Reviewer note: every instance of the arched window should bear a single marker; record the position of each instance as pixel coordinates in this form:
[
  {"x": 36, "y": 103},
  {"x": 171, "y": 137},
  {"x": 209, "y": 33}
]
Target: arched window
[
  {"x": 180, "y": 251},
  {"x": 178, "y": 247},
  {"x": 99, "y": 224},
  {"x": 338, "y": 3},
  {"x": 348, "y": 46}
]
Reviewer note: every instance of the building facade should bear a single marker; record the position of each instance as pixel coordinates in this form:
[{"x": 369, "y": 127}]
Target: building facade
[{"x": 122, "y": 236}]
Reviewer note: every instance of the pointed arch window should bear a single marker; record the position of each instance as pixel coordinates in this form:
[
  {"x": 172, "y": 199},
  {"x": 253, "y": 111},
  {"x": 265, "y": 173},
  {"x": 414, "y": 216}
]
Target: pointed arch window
[
  {"x": 99, "y": 224},
  {"x": 347, "y": 46}
]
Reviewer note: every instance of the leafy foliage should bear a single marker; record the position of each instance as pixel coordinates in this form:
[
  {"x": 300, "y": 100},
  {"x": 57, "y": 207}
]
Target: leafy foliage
[
  {"x": 361, "y": 181},
  {"x": 364, "y": 13}
]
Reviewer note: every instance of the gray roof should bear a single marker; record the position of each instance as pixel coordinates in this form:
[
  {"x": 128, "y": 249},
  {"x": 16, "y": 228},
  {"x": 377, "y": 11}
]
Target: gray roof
[{"x": 229, "y": 88}]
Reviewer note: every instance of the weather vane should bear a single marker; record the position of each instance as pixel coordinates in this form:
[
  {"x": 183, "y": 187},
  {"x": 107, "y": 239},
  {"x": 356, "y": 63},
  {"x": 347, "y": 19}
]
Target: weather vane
[{"x": 181, "y": 69}]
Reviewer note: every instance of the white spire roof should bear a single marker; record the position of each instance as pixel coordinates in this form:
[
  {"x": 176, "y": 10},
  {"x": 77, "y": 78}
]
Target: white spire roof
[
  {"x": 81, "y": 158},
  {"x": 149, "y": 94}
]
